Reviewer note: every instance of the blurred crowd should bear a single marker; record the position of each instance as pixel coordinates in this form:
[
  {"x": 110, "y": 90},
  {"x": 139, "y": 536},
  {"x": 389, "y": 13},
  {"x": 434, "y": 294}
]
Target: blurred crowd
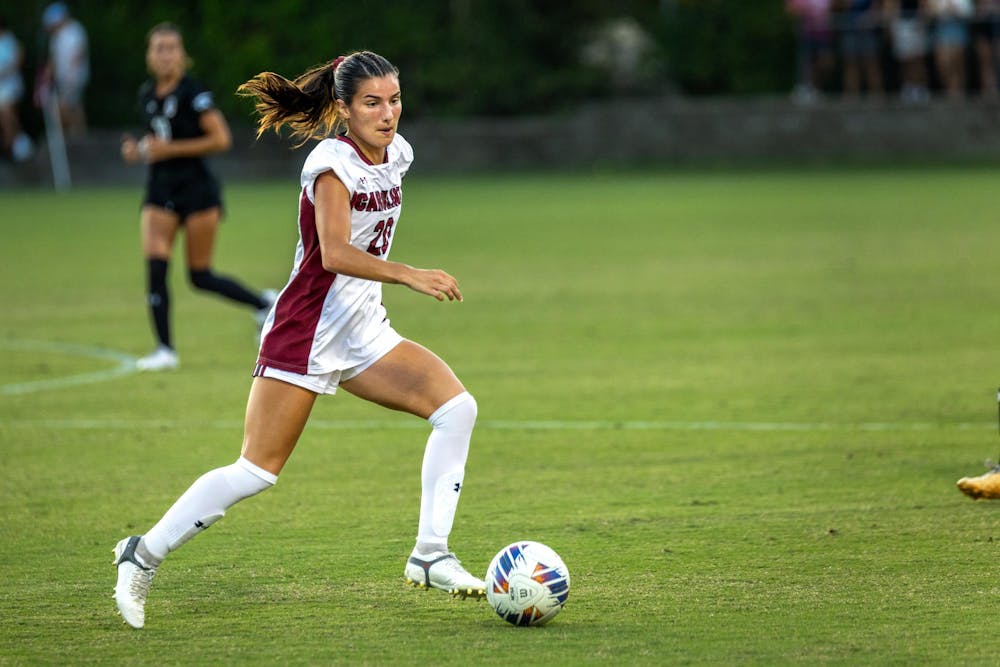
[
  {"x": 59, "y": 83},
  {"x": 910, "y": 48}
]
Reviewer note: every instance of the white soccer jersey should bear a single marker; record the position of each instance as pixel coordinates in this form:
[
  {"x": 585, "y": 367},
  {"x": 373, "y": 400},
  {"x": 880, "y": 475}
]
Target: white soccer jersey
[{"x": 323, "y": 322}]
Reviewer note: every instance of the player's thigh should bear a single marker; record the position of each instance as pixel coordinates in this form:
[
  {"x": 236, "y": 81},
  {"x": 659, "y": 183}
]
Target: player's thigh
[
  {"x": 200, "y": 229},
  {"x": 409, "y": 378},
  {"x": 276, "y": 414},
  {"x": 159, "y": 229}
]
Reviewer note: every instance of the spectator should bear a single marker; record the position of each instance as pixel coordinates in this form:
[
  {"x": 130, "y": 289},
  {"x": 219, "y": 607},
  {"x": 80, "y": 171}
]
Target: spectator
[
  {"x": 909, "y": 44},
  {"x": 15, "y": 141},
  {"x": 859, "y": 45},
  {"x": 986, "y": 32},
  {"x": 69, "y": 66},
  {"x": 815, "y": 46},
  {"x": 951, "y": 37}
]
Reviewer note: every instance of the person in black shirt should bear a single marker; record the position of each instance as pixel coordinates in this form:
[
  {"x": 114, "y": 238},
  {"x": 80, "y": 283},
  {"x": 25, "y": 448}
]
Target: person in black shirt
[{"x": 183, "y": 127}]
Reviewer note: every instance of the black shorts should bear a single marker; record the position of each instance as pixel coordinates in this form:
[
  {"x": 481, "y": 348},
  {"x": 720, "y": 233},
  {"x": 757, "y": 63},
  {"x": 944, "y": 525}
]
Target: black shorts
[{"x": 184, "y": 197}]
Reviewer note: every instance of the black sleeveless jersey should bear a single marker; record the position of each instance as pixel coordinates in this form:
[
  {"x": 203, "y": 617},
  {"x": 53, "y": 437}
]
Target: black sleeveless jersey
[{"x": 176, "y": 115}]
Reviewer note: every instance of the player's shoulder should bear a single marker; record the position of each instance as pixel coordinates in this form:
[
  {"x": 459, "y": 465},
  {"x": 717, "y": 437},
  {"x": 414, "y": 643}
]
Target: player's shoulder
[
  {"x": 342, "y": 154},
  {"x": 344, "y": 149},
  {"x": 401, "y": 144},
  {"x": 146, "y": 89},
  {"x": 189, "y": 86},
  {"x": 331, "y": 149},
  {"x": 402, "y": 148},
  {"x": 327, "y": 154},
  {"x": 192, "y": 89}
]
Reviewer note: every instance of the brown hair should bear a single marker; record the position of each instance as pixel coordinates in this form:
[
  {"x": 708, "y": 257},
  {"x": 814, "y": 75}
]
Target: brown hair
[
  {"x": 307, "y": 105},
  {"x": 164, "y": 26},
  {"x": 167, "y": 26}
]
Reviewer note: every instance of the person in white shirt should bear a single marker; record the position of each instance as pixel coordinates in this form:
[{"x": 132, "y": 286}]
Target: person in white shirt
[
  {"x": 328, "y": 327},
  {"x": 68, "y": 69}
]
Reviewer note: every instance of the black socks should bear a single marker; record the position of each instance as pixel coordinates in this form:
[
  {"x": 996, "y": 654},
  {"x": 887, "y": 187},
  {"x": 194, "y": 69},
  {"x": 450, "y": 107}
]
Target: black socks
[
  {"x": 158, "y": 298},
  {"x": 204, "y": 279}
]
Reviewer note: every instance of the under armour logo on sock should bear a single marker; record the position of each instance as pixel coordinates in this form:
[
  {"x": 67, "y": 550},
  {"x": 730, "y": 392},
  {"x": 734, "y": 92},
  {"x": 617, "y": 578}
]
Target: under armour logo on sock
[{"x": 458, "y": 487}]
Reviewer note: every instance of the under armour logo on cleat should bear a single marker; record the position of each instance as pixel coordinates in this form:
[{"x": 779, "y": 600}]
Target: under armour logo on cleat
[{"x": 458, "y": 487}]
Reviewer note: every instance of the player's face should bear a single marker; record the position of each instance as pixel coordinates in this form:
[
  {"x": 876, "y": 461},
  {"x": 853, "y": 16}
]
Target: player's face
[
  {"x": 374, "y": 114},
  {"x": 165, "y": 56}
]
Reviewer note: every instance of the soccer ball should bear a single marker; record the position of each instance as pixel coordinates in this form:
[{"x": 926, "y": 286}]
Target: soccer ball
[{"x": 527, "y": 583}]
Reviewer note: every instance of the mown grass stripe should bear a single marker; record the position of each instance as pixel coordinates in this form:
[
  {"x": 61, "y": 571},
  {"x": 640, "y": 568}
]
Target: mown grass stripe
[{"x": 528, "y": 425}]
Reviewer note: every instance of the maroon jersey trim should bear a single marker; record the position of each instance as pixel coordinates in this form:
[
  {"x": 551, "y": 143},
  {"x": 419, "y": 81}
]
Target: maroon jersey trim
[
  {"x": 297, "y": 313},
  {"x": 357, "y": 149}
]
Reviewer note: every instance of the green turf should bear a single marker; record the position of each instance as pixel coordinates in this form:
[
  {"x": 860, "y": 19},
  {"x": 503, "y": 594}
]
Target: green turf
[{"x": 736, "y": 403}]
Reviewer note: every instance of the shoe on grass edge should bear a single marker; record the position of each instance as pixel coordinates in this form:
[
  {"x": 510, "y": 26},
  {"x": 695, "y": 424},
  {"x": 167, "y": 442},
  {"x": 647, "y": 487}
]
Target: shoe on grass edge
[{"x": 162, "y": 358}]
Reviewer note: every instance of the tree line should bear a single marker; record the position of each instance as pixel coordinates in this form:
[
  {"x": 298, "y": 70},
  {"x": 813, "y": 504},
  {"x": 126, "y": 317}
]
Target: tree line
[{"x": 456, "y": 57}]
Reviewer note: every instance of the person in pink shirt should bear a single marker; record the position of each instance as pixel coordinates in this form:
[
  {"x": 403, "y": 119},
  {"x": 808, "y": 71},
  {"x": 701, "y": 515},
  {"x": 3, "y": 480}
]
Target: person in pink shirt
[{"x": 815, "y": 46}]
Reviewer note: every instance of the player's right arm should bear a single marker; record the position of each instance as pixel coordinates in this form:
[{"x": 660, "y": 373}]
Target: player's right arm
[{"x": 333, "y": 224}]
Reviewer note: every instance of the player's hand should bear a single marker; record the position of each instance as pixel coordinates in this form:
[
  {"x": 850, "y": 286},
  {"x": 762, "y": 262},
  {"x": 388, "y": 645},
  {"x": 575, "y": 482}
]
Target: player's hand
[
  {"x": 130, "y": 149},
  {"x": 153, "y": 149},
  {"x": 435, "y": 283}
]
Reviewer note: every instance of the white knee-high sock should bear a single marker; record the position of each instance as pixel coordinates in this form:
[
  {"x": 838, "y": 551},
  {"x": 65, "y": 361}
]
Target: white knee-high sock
[
  {"x": 444, "y": 470},
  {"x": 204, "y": 503}
]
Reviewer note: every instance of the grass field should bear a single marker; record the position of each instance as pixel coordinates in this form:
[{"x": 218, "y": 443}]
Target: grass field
[{"x": 736, "y": 403}]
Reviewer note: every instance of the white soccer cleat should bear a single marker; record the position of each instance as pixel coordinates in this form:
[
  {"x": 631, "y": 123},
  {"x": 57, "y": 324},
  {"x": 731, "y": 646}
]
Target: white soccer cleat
[
  {"x": 161, "y": 359},
  {"x": 445, "y": 572},
  {"x": 133, "y": 583}
]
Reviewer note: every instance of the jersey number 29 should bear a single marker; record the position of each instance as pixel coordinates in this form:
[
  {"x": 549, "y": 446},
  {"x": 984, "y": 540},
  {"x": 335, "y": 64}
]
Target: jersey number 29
[{"x": 383, "y": 234}]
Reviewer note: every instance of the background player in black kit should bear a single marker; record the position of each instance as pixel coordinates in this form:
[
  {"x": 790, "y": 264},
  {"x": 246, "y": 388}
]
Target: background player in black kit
[{"x": 183, "y": 127}]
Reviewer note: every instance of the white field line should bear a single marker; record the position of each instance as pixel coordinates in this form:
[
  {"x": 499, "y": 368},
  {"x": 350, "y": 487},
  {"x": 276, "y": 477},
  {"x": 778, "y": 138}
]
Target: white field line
[{"x": 125, "y": 365}]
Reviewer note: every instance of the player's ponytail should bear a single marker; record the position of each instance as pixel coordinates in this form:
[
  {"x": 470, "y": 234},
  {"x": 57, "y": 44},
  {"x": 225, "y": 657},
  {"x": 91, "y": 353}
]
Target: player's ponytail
[{"x": 307, "y": 105}]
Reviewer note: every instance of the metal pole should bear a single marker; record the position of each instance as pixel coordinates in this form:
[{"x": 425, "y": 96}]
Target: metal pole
[{"x": 56, "y": 141}]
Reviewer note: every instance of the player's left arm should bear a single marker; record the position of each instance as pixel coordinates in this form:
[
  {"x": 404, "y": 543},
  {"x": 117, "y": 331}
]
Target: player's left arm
[{"x": 216, "y": 138}]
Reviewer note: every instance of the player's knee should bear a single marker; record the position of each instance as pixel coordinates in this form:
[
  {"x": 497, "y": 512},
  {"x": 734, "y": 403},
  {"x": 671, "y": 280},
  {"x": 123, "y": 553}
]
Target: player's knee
[
  {"x": 458, "y": 414},
  {"x": 201, "y": 278},
  {"x": 470, "y": 408},
  {"x": 247, "y": 479}
]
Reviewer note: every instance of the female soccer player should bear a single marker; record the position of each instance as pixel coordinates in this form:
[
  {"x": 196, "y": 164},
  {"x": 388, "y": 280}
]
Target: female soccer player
[
  {"x": 328, "y": 327},
  {"x": 183, "y": 127}
]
